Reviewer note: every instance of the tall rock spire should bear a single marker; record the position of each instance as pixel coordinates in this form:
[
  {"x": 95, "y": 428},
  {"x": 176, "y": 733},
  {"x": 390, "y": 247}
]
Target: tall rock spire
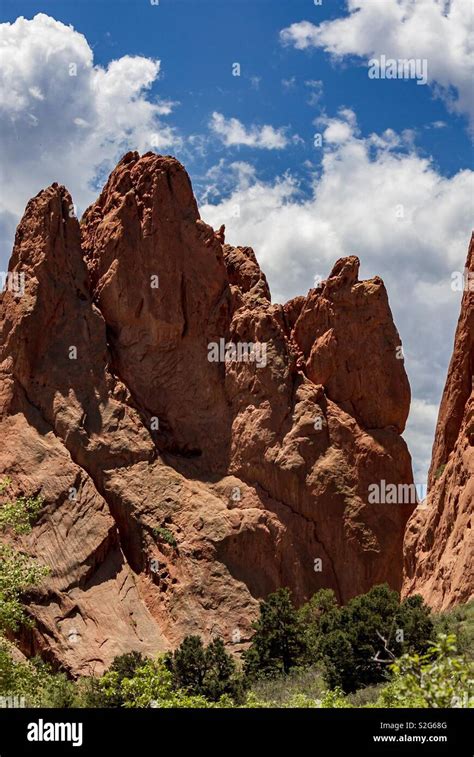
[
  {"x": 439, "y": 543},
  {"x": 196, "y": 446}
]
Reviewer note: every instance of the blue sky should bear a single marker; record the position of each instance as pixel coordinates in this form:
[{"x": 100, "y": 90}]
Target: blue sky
[
  {"x": 248, "y": 140},
  {"x": 198, "y": 40}
]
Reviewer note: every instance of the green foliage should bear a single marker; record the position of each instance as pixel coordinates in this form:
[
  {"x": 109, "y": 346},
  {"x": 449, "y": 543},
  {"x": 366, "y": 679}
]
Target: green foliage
[
  {"x": 221, "y": 673},
  {"x": 35, "y": 681},
  {"x": 192, "y": 676},
  {"x": 335, "y": 699},
  {"x": 17, "y": 573},
  {"x": 459, "y": 622},
  {"x": 188, "y": 664},
  {"x": 107, "y": 691},
  {"x": 126, "y": 665},
  {"x": 153, "y": 686},
  {"x": 166, "y": 535},
  {"x": 278, "y": 643},
  {"x": 4, "y": 484},
  {"x": 439, "y": 678},
  {"x": 205, "y": 671},
  {"x": 253, "y": 701},
  {"x": 366, "y": 697},
  {"x": 20, "y": 514},
  {"x": 439, "y": 471},
  {"x": 323, "y": 603},
  {"x": 306, "y": 681},
  {"x": 357, "y": 642}
]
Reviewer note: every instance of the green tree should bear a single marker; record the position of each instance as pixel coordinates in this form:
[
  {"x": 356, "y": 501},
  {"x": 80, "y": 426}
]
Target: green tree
[
  {"x": 318, "y": 617},
  {"x": 189, "y": 664},
  {"x": 415, "y": 620},
  {"x": 34, "y": 681},
  {"x": 107, "y": 691},
  {"x": 18, "y": 572},
  {"x": 221, "y": 676},
  {"x": 340, "y": 661},
  {"x": 153, "y": 686},
  {"x": 278, "y": 642},
  {"x": 205, "y": 671},
  {"x": 126, "y": 665},
  {"x": 357, "y": 643}
]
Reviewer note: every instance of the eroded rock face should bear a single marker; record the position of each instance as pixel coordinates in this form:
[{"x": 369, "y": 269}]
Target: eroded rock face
[
  {"x": 181, "y": 487},
  {"x": 439, "y": 543},
  {"x": 159, "y": 279}
]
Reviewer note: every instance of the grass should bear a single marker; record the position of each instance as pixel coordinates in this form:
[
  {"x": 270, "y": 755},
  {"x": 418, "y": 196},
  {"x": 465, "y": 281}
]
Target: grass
[
  {"x": 279, "y": 691},
  {"x": 460, "y": 621},
  {"x": 309, "y": 682},
  {"x": 166, "y": 535},
  {"x": 439, "y": 471}
]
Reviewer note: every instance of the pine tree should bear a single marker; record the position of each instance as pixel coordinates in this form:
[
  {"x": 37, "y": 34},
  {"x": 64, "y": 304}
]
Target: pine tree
[{"x": 278, "y": 643}]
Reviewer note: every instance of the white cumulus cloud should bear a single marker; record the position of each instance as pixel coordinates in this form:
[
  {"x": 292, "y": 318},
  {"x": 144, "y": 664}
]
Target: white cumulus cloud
[
  {"x": 377, "y": 198},
  {"x": 65, "y": 119},
  {"x": 233, "y": 132},
  {"x": 439, "y": 31}
]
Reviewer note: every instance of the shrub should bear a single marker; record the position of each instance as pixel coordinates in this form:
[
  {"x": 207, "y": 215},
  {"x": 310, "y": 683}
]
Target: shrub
[
  {"x": 4, "y": 483},
  {"x": 278, "y": 644},
  {"x": 126, "y": 665},
  {"x": 153, "y": 686},
  {"x": 166, "y": 535},
  {"x": 439, "y": 471},
  {"x": 335, "y": 699},
  {"x": 107, "y": 690},
  {"x": 439, "y": 678},
  {"x": 367, "y": 696},
  {"x": 35, "y": 681},
  {"x": 17, "y": 573},
  {"x": 17, "y": 570},
  {"x": 20, "y": 514},
  {"x": 459, "y": 622},
  {"x": 357, "y": 642}
]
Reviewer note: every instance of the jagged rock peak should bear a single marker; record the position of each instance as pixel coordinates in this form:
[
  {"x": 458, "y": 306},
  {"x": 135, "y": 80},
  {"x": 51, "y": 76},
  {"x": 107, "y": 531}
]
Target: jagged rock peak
[{"x": 219, "y": 446}]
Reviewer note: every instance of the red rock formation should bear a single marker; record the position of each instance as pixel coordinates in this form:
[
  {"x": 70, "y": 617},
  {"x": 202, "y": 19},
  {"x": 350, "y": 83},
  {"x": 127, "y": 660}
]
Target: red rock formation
[
  {"x": 439, "y": 543},
  {"x": 179, "y": 490}
]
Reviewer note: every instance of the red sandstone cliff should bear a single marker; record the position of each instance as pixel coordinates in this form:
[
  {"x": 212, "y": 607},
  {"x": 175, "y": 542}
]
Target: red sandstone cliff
[
  {"x": 178, "y": 491},
  {"x": 439, "y": 543}
]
